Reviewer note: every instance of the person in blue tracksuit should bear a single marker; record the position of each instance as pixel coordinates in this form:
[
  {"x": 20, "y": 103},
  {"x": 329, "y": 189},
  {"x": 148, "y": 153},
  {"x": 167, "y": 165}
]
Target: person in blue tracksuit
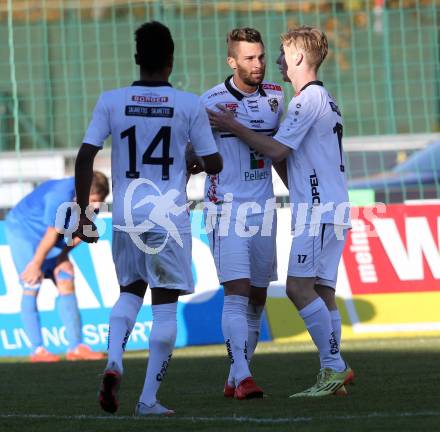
[{"x": 39, "y": 251}]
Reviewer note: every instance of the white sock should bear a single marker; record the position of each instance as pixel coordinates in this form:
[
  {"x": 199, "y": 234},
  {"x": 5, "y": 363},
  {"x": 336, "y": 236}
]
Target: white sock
[
  {"x": 336, "y": 324},
  {"x": 254, "y": 313},
  {"x": 122, "y": 320},
  {"x": 227, "y": 338},
  {"x": 235, "y": 332},
  {"x": 317, "y": 319},
  {"x": 162, "y": 340}
]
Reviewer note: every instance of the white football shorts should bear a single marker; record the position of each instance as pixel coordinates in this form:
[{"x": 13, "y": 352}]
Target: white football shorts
[
  {"x": 239, "y": 253},
  {"x": 170, "y": 268},
  {"x": 316, "y": 252}
]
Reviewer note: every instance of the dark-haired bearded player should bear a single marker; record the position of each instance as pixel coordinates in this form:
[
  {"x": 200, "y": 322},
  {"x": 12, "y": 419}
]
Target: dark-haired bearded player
[{"x": 244, "y": 247}]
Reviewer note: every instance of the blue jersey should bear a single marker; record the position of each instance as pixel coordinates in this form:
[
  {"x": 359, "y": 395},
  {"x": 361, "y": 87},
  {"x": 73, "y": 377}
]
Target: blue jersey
[{"x": 36, "y": 212}]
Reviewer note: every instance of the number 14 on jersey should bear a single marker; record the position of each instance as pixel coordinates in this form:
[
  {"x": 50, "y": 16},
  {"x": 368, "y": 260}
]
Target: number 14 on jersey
[{"x": 164, "y": 137}]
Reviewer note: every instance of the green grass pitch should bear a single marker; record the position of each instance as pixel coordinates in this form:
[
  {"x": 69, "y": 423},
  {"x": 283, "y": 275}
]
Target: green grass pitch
[{"x": 396, "y": 389}]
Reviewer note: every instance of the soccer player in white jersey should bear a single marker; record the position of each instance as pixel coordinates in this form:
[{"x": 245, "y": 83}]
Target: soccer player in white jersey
[
  {"x": 151, "y": 124},
  {"x": 245, "y": 263},
  {"x": 310, "y": 137}
]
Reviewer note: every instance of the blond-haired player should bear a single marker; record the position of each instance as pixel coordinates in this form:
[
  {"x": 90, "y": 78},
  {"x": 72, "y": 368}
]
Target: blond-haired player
[{"x": 310, "y": 138}]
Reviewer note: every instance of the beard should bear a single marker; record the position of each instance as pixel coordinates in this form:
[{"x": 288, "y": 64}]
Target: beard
[{"x": 249, "y": 78}]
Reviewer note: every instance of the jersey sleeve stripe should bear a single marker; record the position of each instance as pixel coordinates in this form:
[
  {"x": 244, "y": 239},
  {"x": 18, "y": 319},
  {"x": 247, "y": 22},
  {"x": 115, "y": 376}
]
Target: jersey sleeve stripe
[{"x": 271, "y": 132}]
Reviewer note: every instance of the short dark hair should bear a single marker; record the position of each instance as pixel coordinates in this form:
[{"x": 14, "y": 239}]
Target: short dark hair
[
  {"x": 154, "y": 46},
  {"x": 242, "y": 34},
  {"x": 100, "y": 184}
]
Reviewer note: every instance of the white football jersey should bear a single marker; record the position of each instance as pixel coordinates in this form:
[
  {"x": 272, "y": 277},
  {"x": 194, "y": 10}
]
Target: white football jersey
[
  {"x": 246, "y": 174},
  {"x": 151, "y": 124},
  {"x": 313, "y": 129}
]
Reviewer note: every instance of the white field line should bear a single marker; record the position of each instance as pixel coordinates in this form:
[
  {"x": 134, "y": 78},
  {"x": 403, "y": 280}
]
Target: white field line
[
  {"x": 384, "y": 328},
  {"x": 228, "y": 419}
]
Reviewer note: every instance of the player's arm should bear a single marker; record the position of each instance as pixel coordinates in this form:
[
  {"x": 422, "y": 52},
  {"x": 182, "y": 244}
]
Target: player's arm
[
  {"x": 83, "y": 181},
  {"x": 194, "y": 163},
  {"x": 281, "y": 166},
  {"x": 98, "y": 130},
  {"x": 281, "y": 169},
  {"x": 32, "y": 274},
  {"x": 224, "y": 120},
  {"x": 213, "y": 163},
  {"x": 203, "y": 141}
]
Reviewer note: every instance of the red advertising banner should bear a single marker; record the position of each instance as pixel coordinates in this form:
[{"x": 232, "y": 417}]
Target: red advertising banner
[{"x": 394, "y": 251}]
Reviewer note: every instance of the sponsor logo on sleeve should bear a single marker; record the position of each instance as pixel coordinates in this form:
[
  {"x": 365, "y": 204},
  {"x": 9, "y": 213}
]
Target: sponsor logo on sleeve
[{"x": 275, "y": 87}]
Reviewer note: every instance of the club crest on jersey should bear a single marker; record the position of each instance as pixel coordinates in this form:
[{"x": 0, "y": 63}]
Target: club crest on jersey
[{"x": 274, "y": 105}]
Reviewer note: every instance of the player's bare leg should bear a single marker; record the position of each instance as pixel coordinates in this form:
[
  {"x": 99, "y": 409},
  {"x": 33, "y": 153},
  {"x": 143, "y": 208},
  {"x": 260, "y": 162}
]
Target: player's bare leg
[
  {"x": 235, "y": 333},
  {"x": 162, "y": 340},
  {"x": 122, "y": 320},
  {"x": 257, "y": 300}
]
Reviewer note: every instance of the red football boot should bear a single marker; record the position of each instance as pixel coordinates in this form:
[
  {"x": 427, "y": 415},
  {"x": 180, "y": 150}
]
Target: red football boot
[
  {"x": 228, "y": 391},
  {"x": 108, "y": 395},
  {"x": 248, "y": 389}
]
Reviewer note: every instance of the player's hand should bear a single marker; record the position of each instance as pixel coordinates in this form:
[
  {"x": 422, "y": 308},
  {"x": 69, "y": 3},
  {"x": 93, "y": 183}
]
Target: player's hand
[
  {"x": 32, "y": 274},
  {"x": 222, "y": 119},
  {"x": 63, "y": 265},
  {"x": 87, "y": 230},
  {"x": 194, "y": 163},
  {"x": 195, "y": 166}
]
